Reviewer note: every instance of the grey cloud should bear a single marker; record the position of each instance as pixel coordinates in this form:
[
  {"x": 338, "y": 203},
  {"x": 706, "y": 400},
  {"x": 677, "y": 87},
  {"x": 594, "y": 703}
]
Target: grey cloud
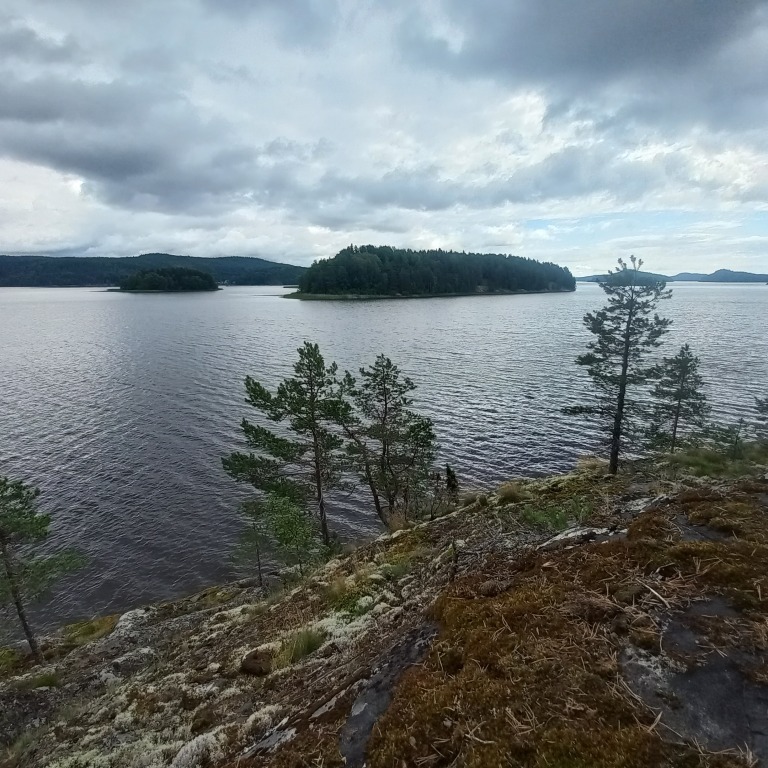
[
  {"x": 572, "y": 172},
  {"x": 54, "y": 99},
  {"x": 653, "y": 60},
  {"x": 20, "y": 42}
]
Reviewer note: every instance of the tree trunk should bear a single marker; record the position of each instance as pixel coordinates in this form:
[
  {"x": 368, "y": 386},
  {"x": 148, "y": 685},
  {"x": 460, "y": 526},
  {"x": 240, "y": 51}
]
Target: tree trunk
[
  {"x": 323, "y": 519},
  {"x": 319, "y": 488},
  {"x": 675, "y": 422},
  {"x": 17, "y": 601},
  {"x": 258, "y": 564},
  {"x": 618, "y": 420}
]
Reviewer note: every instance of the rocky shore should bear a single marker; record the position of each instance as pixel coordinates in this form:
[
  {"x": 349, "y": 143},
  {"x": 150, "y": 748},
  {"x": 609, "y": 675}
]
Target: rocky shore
[{"x": 579, "y": 620}]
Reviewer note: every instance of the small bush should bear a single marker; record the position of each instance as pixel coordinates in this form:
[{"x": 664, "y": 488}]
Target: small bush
[
  {"x": 482, "y": 500},
  {"x": 298, "y": 646},
  {"x": 468, "y": 499},
  {"x": 83, "y": 632},
  {"x": 511, "y": 493}
]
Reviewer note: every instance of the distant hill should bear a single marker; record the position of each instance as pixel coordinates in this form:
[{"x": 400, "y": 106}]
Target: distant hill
[
  {"x": 62, "y": 271},
  {"x": 720, "y": 276}
]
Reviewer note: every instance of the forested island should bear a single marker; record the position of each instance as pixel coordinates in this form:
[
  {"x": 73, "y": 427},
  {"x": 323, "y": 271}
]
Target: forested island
[
  {"x": 370, "y": 271},
  {"x": 69, "y": 271},
  {"x": 169, "y": 280}
]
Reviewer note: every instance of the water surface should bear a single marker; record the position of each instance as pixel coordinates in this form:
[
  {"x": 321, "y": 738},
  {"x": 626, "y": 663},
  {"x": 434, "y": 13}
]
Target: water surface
[{"x": 120, "y": 406}]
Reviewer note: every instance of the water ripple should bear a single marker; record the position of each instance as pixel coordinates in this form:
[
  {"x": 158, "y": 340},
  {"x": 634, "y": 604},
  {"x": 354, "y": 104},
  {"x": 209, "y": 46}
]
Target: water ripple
[{"x": 120, "y": 407}]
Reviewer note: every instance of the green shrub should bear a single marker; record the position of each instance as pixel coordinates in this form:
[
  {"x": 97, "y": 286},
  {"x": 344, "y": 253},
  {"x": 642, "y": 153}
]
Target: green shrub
[{"x": 545, "y": 517}]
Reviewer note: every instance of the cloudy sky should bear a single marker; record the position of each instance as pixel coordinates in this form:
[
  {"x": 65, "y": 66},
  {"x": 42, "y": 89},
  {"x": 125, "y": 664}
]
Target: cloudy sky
[{"x": 569, "y": 131}]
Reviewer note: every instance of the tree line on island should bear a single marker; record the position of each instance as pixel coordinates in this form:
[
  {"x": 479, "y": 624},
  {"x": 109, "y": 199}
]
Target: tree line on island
[
  {"x": 322, "y": 432},
  {"x": 169, "y": 280},
  {"x": 370, "y": 270}
]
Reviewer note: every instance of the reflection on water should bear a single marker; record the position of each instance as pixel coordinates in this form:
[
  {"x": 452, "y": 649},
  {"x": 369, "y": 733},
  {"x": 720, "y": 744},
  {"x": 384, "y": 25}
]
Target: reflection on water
[{"x": 120, "y": 406}]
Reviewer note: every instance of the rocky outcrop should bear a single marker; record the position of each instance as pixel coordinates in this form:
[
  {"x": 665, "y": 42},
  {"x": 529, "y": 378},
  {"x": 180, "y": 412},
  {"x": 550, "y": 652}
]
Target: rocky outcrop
[{"x": 636, "y": 636}]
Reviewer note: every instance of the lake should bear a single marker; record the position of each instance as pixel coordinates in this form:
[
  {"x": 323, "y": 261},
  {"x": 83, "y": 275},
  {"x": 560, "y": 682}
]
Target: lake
[{"x": 120, "y": 406}]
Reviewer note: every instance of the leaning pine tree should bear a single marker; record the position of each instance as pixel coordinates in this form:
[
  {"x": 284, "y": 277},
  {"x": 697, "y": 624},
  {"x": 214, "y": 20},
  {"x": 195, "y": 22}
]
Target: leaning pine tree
[
  {"x": 624, "y": 332},
  {"x": 680, "y": 402},
  {"x": 25, "y": 575},
  {"x": 303, "y": 467}
]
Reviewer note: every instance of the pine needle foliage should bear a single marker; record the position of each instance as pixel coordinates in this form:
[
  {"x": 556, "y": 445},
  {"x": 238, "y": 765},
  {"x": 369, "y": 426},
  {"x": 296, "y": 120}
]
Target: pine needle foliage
[
  {"x": 624, "y": 332},
  {"x": 680, "y": 403},
  {"x": 24, "y": 574},
  {"x": 390, "y": 446},
  {"x": 306, "y": 465}
]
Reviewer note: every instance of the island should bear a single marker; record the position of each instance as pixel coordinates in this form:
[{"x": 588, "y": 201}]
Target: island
[
  {"x": 369, "y": 272},
  {"x": 169, "y": 280}
]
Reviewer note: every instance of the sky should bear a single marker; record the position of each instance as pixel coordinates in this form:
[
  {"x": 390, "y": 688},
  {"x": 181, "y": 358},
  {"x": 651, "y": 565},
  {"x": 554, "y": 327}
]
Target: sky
[{"x": 573, "y": 132}]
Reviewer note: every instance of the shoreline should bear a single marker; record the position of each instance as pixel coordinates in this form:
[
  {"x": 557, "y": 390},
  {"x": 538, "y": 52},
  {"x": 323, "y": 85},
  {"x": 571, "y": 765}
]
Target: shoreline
[{"x": 381, "y": 297}]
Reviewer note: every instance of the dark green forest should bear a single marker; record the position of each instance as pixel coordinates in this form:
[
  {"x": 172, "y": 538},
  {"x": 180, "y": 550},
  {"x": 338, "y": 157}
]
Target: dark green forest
[
  {"x": 172, "y": 279},
  {"x": 102, "y": 271},
  {"x": 370, "y": 270}
]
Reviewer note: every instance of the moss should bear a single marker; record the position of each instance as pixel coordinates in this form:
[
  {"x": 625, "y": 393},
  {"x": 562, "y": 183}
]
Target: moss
[
  {"x": 83, "y": 632},
  {"x": 44, "y": 680}
]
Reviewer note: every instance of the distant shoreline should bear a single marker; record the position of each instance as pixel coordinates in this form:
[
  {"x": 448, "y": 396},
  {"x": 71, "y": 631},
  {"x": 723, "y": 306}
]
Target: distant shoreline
[
  {"x": 382, "y": 296},
  {"x": 139, "y": 290}
]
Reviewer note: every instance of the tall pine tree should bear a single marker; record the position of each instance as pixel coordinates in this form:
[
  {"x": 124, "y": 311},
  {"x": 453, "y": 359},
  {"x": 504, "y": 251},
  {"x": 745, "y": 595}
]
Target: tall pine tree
[
  {"x": 680, "y": 402},
  {"x": 625, "y": 331},
  {"x": 305, "y": 467}
]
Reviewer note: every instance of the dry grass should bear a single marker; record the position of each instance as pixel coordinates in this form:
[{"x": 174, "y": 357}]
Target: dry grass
[
  {"x": 529, "y": 677},
  {"x": 298, "y": 646},
  {"x": 83, "y": 632},
  {"x": 512, "y": 493}
]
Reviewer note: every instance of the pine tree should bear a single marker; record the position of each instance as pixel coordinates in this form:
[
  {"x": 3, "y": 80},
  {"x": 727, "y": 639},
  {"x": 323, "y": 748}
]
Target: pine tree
[
  {"x": 254, "y": 539},
  {"x": 451, "y": 484},
  {"x": 389, "y": 445},
  {"x": 291, "y": 529},
  {"x": 24, "y": 575},
  {"x": 303, "y": 468},
  {"x": 624, "y": 331},
  {"x": 680, "y": 402}
]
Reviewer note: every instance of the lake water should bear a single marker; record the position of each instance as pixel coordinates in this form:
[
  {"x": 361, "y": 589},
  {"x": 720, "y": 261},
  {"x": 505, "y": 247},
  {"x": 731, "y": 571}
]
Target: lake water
[{"x": 120, "y": 406}]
